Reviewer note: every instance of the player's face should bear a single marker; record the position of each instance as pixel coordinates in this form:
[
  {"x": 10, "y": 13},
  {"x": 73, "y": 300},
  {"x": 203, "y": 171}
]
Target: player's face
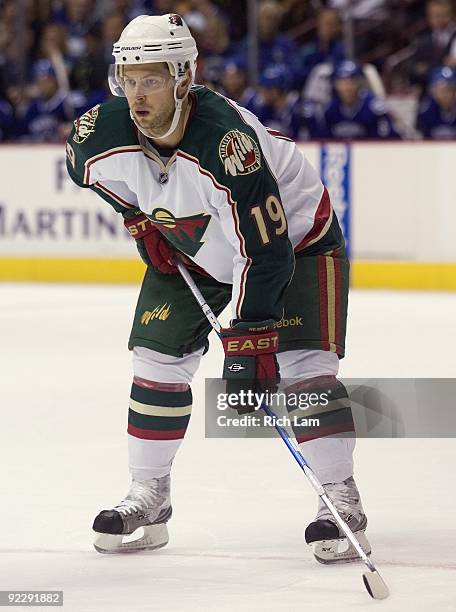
[
  {"x": 347, "y": 90},
  {"x": 445, "y": 95},
  {"x": 149, "y": 91}
]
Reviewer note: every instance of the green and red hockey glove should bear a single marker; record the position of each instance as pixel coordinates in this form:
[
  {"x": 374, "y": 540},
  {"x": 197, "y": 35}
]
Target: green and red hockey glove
[
  {"x": 250, "y": 360},
  {"x": 158, "y": 250}
]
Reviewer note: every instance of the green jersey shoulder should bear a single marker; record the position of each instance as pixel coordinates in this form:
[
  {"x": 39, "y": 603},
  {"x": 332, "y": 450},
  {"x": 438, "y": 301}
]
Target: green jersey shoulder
[
  {"x": 220, "y": 137},
  {"x": 102, "y": 128}
]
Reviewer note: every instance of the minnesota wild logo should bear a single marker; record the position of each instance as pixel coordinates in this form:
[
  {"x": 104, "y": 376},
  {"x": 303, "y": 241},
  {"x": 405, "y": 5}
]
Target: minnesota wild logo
[
  {"x": 85, "y": 125},
  {"x": 239, "y": 153},
  {"x": 185, "y": 233}
]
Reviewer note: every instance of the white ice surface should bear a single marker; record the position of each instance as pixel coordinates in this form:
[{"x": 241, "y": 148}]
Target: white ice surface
[{"x": 240, "y": 506}]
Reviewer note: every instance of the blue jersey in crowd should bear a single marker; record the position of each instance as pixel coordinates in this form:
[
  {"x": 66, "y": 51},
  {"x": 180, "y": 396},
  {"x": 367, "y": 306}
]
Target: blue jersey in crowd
[
  {"x": 43, "y": 117},
  {"x": 367, "y": 119},
  {"x": 312, "y": 55},
  {"x": 286, "y": 120},
  {"x": 434, "y": 122},
  {"x": 280, "y": 50}
]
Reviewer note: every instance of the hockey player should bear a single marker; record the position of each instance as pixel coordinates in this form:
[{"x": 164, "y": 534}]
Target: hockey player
[
  {"x": 354, "y": 112},
  {"x": 437, "y": 113},
  {"x": 193, "y": 173}
]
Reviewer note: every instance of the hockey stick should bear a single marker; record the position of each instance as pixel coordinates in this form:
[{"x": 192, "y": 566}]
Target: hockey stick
[{"x": 373, "y": 582}]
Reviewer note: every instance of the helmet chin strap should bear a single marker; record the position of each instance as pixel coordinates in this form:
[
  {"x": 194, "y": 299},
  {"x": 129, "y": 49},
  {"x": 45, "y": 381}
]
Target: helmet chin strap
[{"x": 178, "y": 102}]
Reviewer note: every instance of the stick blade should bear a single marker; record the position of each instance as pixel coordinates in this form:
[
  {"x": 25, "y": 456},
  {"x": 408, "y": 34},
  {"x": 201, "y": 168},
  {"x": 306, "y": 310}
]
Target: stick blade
[{"x": 375, "y": 585}]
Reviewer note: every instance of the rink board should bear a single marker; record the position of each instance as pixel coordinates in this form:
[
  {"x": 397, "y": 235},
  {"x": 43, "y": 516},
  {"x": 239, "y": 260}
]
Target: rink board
[{"x": 396, "y": 203}]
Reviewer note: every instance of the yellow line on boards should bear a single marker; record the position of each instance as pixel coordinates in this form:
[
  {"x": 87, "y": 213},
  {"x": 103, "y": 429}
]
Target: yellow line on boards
[
  {"x": 364, "y": 274},
  {"x": 403, "y": 275},
  {"x": 71, "y": 270}
]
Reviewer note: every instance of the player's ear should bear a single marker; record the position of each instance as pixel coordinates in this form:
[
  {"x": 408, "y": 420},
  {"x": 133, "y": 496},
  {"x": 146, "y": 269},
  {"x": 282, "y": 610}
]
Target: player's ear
[{"x": 185, "y": 83}]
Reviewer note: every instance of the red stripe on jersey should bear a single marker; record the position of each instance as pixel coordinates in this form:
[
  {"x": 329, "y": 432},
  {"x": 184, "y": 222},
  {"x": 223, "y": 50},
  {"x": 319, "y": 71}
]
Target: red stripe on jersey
[
  {"x": 278, "y": 134},
  {"x": 216, "y": 184},
  {"x": 322, "y": 215},
  {"x": 323, "y": 286},
  {"x": 92, "y": 160},
  {"x": 337, "y": 290},
  {"x": 114, "y": 196},
  {"x": 160, "y": 386},
  {"x": 247, "y": 264},
  {"x": 155, "y": 434},
  {"x": 220, "y": 187}
]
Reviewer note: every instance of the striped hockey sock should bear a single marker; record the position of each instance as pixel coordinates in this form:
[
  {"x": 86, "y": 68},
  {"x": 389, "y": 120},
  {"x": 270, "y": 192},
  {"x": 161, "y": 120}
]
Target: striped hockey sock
[
  {"x": 331, "y": 412},
  {"x": 327, "y": 446},
  {"x": 158, "y": 417}
]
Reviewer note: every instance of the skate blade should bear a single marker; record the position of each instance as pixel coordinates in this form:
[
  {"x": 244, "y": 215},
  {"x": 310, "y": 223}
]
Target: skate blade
[
  {"x": 340, "y": 550},
  {"x": 154, "y": 536}
]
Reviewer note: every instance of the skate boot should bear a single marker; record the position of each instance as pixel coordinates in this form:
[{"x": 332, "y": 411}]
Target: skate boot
[
  {"x": 329, "y": 543},
  {"x": 147, "y": 505}
]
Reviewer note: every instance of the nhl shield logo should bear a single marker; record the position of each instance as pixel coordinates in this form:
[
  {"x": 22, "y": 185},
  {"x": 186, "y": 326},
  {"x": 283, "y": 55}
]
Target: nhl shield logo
[
  {"x": 239, "y": 153},
  {"x": 85, "y": 125}
]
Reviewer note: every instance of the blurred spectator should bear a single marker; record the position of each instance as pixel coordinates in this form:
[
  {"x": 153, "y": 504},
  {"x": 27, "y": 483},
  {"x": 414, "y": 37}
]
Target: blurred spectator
[
  {"x": 48, "y": 110},
  {"x": 236, "y": 15},
  {"x": 361, "y": 9},
  {"x": 52, "y": 42},
  {"x": 111, "y": 29},
  {"x": 12, "y": 47},
  {"x": 273, "y": 47},
  {"x": 52, "y": 46},
  {"x": 234, "y": 83},
  {"x": 197, "y": 13},
  {"x": 369, "y": 19},
  {"x": 354, "y": 112},
  {"x": 327, "y": 47},
  {"x": 437, "y": 113},
  {"x": 6, "y": 121},
  {"x": 88, "y": 75},
  {"x": 76, "y": 37},
  {"x": 296, "y": 12},
  {"x": 433, "y": 47},
  {"x": 276, "y": 105},
  {"x": 161, "y": 7},
  {"x": 129, "y": 9},
  {"x": 77, "y": 18},
  {"x": 213, "y": 50}
]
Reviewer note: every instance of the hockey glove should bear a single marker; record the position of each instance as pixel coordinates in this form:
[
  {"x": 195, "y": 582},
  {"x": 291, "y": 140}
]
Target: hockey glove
[
  {"x": 158, "y": 250},
  {"x": 250, "y": 361}
]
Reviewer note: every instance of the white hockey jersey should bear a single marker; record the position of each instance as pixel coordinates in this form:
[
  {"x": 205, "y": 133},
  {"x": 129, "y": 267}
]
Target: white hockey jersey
[{"x": 236, "y": 197}]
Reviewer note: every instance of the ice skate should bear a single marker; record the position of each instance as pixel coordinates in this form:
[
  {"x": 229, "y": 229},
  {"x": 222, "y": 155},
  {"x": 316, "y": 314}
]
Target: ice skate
[
  {"x": 329, "y": 543},
  {"x": 147, "y": 506}
]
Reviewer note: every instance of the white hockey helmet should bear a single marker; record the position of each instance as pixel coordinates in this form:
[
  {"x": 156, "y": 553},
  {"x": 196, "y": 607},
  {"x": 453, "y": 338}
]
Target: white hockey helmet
[{"x": 149, "y": 38}]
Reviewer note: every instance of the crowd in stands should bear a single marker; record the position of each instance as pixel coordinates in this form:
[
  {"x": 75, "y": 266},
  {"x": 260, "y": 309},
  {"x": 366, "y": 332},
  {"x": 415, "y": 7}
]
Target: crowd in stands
[{"x": 55, "y": 54}]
